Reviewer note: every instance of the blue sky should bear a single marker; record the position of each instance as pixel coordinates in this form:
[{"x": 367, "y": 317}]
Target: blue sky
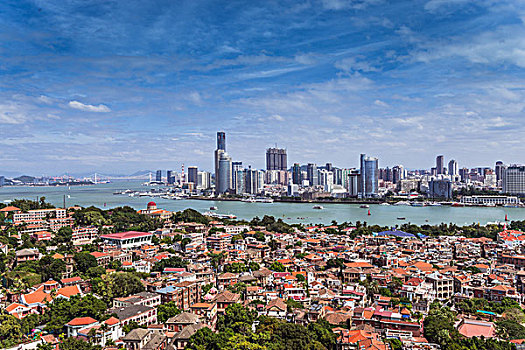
[{"x": 119, "y": 86}]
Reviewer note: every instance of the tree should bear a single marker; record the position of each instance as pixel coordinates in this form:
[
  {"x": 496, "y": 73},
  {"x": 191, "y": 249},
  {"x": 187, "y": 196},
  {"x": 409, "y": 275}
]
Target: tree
[
  {"x": 85, "y": 261},
  {"x": 62, "y": 310},
  {"x": 50, "y": 268},
  {"x": 117, "y": 285},
  {"x": 166, "y": 311},
  {"x": 237, "y": 318},
  {"x": 174, "y": 261},
  {"x": 64, "y": 235},
  {"x": 77, "y": 344},
  {"x": 10, "y": 331},
  {"x": 277, "y": 267}
]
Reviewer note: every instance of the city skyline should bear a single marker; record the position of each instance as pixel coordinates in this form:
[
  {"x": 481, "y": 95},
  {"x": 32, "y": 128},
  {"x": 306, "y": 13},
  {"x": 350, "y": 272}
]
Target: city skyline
[{"x": 92, "y": 86}]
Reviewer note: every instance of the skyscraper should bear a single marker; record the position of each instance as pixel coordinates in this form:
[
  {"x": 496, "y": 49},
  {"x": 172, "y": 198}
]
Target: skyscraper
[
  {"x": 224, "y": 180},
  {"x": 312, "y": 173},
  {"x": 276, "y": 159},
  {"x": 221, "y": 140},
  {"x": 499, "y": 169},
  {"x": 440, "y": 164},
  {"x": 192, "y": 174},
  {"x": 221, "y": 148},
  {"x": 237, "y": 178},
  {"x": 513, "y": 179},
  {"x": 453, "y": 168},
  {"x": 296, "y": 174},
  {"x": 158, "y": 176},
  {"x": 170, "y": 179},
  {"x": 369, "y": 176}
]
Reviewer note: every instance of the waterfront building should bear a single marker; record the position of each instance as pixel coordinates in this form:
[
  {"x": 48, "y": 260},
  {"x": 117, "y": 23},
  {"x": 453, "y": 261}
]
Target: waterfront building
[
  {"x": 440, "y": 188},
  {"x": 312, "y": 174},
  {"x": 440, "y": 164},
  {"x": 499, "y": 170},
  {"x": 276, "y": 159},
  {"x": 296, "y": 174},
  {"x": 170, "y": 179},
  {"x": 513, "y": 179},
  {"x": 192, "y": 174},
  {"x": 223, "y": 178},
  {"x": 221, "y": 148},
  {"x": 484, "y": 200},
  {"x": 453, "y": 168},
  {"x": 369, "y": 177},
  {"x": 203, "y": 180},
  {"x": 158, "y": 176}
]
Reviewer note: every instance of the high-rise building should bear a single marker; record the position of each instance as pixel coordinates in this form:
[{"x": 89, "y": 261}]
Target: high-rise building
[
  {"x": 158, "y": 176},
  {"x": 276, "y": 159},
  {"x": 440, "y": 189},
  {"x": 224, "y": 181},
  {"x": 453, "y": 169},
  {"x": 170, "y": 179},
  {"x": 398, "y": 173},
  {"x": 296, "y": 174},
  {"x": 250, "y": 181},
  {"x": 440, "y": 164},
  {"x": 237, "y": 178},
  {"x": 221, "y": 148},
  {"x": 221, "y": 140},
  {"x": 203, "y": 180},
  {"x": 369, "y": 176},
  {"x": 313, "y": 176},
  {"x": 513, "y": 179},
  {"x": 192, "y": 174},
  {"x": 499, "y": 169}
]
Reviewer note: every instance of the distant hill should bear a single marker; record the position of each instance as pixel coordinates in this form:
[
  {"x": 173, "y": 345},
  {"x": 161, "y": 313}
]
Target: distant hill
[{"x": 25, "y": 179}]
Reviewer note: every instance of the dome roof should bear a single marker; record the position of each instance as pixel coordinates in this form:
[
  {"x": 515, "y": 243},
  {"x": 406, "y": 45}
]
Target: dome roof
[{"x": 152, "y": 204}]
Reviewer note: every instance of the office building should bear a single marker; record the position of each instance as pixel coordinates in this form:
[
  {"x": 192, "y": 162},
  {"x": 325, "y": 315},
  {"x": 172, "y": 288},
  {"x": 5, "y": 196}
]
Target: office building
[
  {"x": 203, "y": 180},
  {"x": 440, "y": 164},
  {"x": 513, "y": 179},
  {"x": 453, "y": 169},
  {"x": 158, "y": 176},
  {"x": 251, "y": 181},
  {"x": 369, "y": 176},
  {"x": 237, "y": 178},
  {"x": 192, "y": 174},
  {"x": 499, "y": 170},
  {"x": 296, "y": 174},
  {"x": 312, "y": 174},
  {"x": 170, "y": 179},
  {"x": 398, "y": 173},
  {"x": 223, "y": 178},
  {"x": 276, "y": 159},
  {"x": 353, "y": 183},
  {"x": 221, "y": 148},
  {"x": 440, "y": 189}
]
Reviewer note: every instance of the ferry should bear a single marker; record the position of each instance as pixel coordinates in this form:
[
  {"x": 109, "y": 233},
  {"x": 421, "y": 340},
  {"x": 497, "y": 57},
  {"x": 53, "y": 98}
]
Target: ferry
[
  {"x": 320, "y": 207},
  {"x": 364, "y": 206}
]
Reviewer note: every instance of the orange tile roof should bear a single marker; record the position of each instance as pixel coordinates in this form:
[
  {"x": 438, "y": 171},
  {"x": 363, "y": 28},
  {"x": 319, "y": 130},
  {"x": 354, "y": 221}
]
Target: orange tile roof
[{"x": 81, "y": 321}]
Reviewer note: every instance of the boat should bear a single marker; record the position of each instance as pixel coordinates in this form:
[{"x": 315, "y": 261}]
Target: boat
[
  {"x": 320, "y": 207},
  {"x": 364, "y": 206},
  {"x": 263, "y": 200},
  {"x": 457, "y": 204},
  {"x": 489, "y": 205},
  {"x": 385, "y": 203},
  {"x": 402, "y": 203},
  {"x": 213, "y": 208},
  {"x": 417, "y": 204},
  {"x": 434, "y": 204},
  {"x": 248, "y": 200},
  {"x": 401, "y": 218}
]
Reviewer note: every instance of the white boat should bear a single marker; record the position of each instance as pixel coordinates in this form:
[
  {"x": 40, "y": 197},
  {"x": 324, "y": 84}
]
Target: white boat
[
  {"x": 320, "y": 207},
  {"x": 434, "y": 204},
  {"x": 489, "y": 205},
  {"x": 417, "y": 204},
  {"x": 364, "y": 206},
  {"x": 402, "y": 203},
  {"x": 263, "y": 200},
  {"x": 385, "y": 203},
  {"x": 213, "y": 208}
]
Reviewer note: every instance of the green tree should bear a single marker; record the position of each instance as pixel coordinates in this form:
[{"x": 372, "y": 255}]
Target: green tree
[
  {"x": 84, "y": 261},
  {"x": 50, "y": 268},
  {"x": 77, "y": 344},
  {"x": 64, "y": 235},
  {"x": 277, "y": 267},
  {"x": 166, "y": 311}
]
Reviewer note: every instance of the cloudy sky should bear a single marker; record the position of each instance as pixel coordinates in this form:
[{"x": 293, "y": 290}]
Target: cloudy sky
[{"x": 120, "y": 86}]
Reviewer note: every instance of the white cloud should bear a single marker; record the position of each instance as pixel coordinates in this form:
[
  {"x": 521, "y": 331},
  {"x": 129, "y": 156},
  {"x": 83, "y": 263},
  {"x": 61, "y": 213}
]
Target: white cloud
[
  {"x": 435, "y": 5},
  {"x": 380, "y": 103},
  {"x": 11, "y": 114},
  {"x": 277, "y": 117},
  {"x": 348, "y": 4},
  {"x": 332, "y": 119},
  {"x": 89, "y": 108},
  {"x": 350, "y": 64}
]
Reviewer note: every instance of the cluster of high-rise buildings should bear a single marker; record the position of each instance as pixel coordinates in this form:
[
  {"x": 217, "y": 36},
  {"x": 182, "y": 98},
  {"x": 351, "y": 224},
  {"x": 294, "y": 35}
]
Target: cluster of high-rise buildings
[{"x": 311, "y": 181}]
